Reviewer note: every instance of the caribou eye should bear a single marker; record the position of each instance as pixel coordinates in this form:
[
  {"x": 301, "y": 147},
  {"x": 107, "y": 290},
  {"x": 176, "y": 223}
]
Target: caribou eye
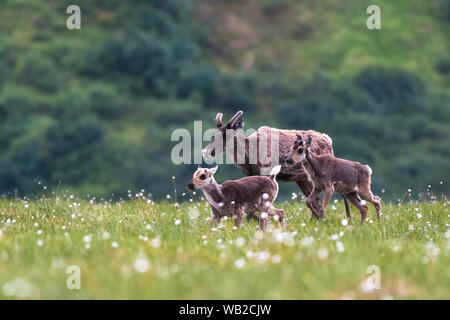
[
  {"x": 300, "y": 151},
  {"x": 203, "y": 177},
  {"x": 213, "y": 139}
]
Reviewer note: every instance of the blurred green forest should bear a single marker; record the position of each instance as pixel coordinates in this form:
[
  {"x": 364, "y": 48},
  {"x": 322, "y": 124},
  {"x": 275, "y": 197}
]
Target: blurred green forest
[{"x": 92, "y": 110}]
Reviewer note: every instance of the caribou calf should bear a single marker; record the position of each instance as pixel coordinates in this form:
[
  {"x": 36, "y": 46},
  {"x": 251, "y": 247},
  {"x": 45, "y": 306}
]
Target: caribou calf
[
  {"x": 236, "y": 197},
  {"x": 330, "y": 174}
]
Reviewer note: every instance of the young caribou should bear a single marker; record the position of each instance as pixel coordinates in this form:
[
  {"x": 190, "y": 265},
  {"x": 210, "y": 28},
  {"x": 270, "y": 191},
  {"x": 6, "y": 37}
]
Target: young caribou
[
  {"x": 234, "y": 198},
  {"x": 331, "y": 174}
]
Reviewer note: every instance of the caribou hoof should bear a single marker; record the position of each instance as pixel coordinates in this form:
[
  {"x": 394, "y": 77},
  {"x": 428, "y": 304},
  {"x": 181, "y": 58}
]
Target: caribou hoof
[{"x": 252, "y": 216}]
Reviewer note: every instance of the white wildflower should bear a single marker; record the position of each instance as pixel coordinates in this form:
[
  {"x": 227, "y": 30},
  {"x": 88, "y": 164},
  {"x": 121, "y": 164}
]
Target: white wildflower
[
  {"x": 18, "y": 287},
  {"x": 322, "y": 253},
  {"x": 262, "y": 256},
  {"x": 259, "y": 235},
  {"x": 239, "y": 263},
  {"x": 141, "y": 264},
  {"x": 334, "y": 237},
  {"x": 240, "y": 242},
  {"x": 156, "y": 242},
  {"x": 307, "y": 241},
  {"x": 276, "y": 259}
]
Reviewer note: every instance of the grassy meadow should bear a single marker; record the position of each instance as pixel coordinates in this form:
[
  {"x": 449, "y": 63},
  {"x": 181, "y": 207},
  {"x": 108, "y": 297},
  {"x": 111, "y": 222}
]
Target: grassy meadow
[
  {"x": 140, "y": 249},
  {"x": 94, "y": 110}
]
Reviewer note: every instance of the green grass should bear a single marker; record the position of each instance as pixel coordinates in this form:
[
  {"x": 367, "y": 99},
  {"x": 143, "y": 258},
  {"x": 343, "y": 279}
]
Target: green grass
[{"x": 191, "y": 261}]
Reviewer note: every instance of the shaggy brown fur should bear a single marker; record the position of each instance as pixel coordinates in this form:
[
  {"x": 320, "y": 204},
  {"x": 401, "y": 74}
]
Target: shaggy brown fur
[
  {"x": 236, "y": 197},
  {"x": 321, "y": 144},
  {"x": 331, "y": 174}
]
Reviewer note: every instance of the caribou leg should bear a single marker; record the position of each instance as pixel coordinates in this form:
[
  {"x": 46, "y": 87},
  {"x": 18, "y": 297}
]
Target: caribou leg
[
  {"x": 307, "y": 188},
  {"x": 347, "y": 207}
]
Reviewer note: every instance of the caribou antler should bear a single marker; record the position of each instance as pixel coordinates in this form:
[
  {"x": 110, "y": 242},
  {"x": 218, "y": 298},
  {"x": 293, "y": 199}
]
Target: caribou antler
[
  {"x": 234, "y": 119},
  {"x": 219, "y": 119}
]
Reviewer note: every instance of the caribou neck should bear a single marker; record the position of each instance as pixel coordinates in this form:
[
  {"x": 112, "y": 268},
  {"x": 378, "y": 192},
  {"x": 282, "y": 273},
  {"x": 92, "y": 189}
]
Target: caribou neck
[
  {"x": 311, "y": 160},
  {"x": 213, "y": 191},
  {"x": 245, "y": 167}
]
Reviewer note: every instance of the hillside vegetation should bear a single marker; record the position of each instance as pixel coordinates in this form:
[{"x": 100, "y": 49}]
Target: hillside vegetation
[{"x": 92, "y": 110}]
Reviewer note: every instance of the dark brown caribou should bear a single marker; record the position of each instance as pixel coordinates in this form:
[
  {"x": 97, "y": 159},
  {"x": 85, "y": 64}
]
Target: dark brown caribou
[
  {"x": 329, "y": 174},
  {"x": 231, "y": 138}
]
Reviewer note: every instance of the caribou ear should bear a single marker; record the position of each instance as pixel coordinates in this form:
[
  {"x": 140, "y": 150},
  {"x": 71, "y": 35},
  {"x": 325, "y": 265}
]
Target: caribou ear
[
  {"x": 219, "y": 120},
  {"x": 213, "y": 170},
  {"x": 299, "y": 140}
]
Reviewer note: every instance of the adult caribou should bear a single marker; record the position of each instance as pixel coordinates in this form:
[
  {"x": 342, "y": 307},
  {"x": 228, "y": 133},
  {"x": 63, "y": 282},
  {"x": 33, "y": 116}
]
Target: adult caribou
[{"x": 228, "y": 135}]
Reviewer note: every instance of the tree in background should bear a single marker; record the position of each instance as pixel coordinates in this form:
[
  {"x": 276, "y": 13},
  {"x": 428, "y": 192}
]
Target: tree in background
[{"x": 94, "y": 111}]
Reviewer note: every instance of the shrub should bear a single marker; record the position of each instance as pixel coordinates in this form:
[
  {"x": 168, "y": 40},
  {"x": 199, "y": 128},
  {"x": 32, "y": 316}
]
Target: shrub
[
  {"x": 106, "y": 102},
  {"x": 443, "y": 9},
  {"x": 71, "y": 103},
  {"x": 202, "y": 80},
  {"x": 5, "y": 61},
  {"x": 238, "y": 92},
  {"x": 40, "y": 73},
  {"x": 72, "y": 146},
  {"x": 396, "y": 89},
  {"x": 443, "y": 66}
]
